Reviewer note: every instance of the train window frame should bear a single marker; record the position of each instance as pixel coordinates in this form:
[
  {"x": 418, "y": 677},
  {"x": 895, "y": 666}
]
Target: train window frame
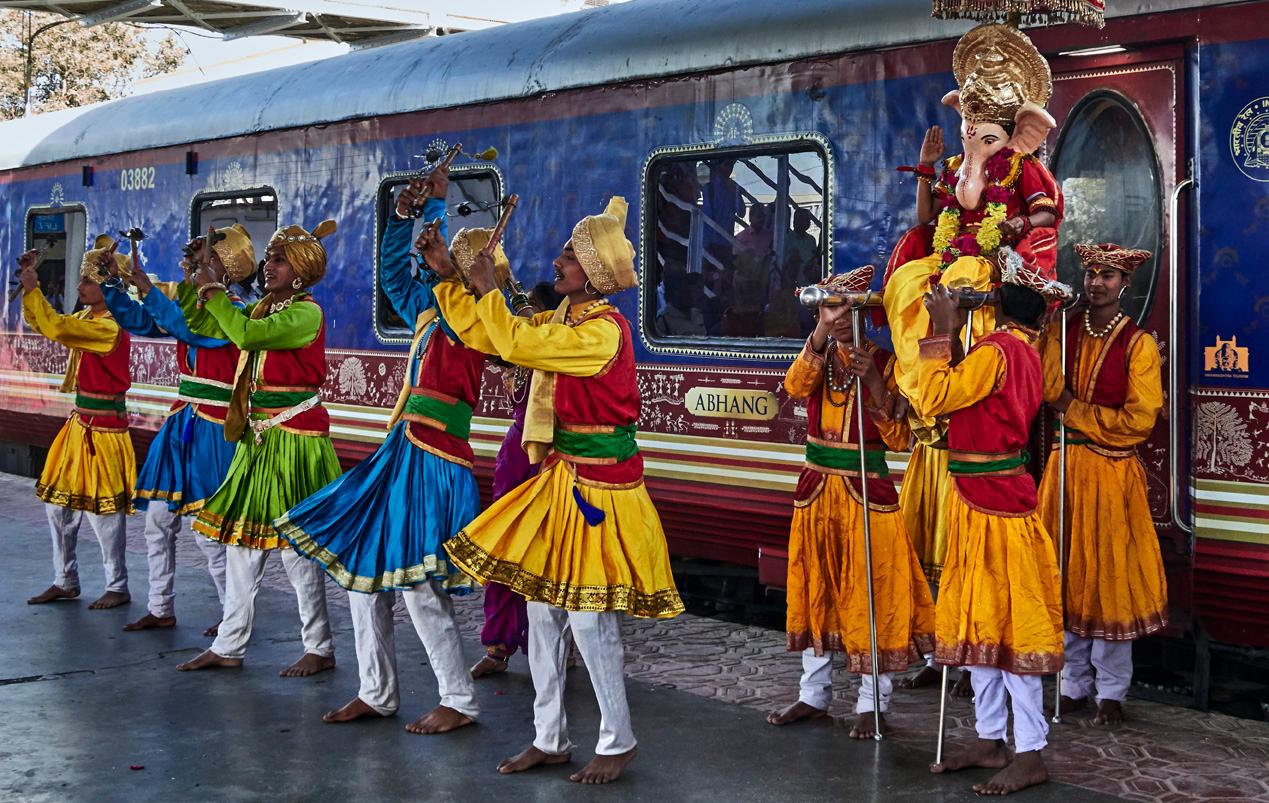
[
  {"x": 384, "y": 203},
  {"x": 743, "y": 348},
  {"x": 196, "y": 230},
  {"x": 1142, "y": 129},
  {"x": 28, "y": 239}
]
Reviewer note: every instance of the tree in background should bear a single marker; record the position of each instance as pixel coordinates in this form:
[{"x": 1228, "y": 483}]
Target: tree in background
[{"x": 74, "y": 65}]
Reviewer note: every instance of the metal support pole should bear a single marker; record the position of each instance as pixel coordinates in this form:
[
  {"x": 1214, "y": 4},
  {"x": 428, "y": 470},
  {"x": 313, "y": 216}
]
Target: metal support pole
[
  {"x": 1061, "y": 556},
  {"x": 863, "y": 487}
]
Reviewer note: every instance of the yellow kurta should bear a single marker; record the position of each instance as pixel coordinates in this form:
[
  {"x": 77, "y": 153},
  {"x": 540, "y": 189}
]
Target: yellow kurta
[
  {"x": 90, "y": 468},
  {"x": 923, "y": 503},
  {"x": 909, "y": 320},
  {"x": 828, "y": 583},
  {"x": 1115, "y": 585},
  {"x": 534, "y": 539},
  {"x": 999, "y": 601}
]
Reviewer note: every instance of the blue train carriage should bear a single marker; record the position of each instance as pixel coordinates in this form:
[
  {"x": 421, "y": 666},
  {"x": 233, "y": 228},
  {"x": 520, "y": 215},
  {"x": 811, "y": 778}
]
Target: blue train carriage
[{"x": 759, "y": 150}]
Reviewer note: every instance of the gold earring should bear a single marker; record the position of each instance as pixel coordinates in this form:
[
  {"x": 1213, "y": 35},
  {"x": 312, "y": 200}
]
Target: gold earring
[{"x": 297, "y": 283}]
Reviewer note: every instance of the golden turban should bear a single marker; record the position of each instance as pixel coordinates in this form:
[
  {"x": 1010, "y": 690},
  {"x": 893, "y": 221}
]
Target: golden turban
[
  {"x": 90, "y": 266},
  {"x": 304, "y": 250},
  {"x": 852, "y": 281},
  {"x": 1125, "y": 260},
  {"x": 236, "y": 252},
  {"x": 469, "y": 242},
  {"x": 600, "y": 243}
]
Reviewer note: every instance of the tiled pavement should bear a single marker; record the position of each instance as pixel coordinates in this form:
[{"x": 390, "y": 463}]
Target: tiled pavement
[{"x": 1162, "y": 753}]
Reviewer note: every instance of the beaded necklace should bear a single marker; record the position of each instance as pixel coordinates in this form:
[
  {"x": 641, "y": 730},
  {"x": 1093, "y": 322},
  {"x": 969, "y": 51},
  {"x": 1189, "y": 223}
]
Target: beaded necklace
[
  {"x": 1110, "y": 327},
  {"x": 581, "y": 316}
]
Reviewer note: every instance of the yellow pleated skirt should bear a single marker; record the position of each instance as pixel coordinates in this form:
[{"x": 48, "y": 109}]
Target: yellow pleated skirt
[
  {"x": 536, "y": 541},
  {"x": 999, "y": 601},
  {"x": 909, "y": 320},
  {"x": 89, "y": 469},
  {"x": 1115, "y": 585},
  {"x": 923, "y": 502},
  {"x": 828, "y": 584}
]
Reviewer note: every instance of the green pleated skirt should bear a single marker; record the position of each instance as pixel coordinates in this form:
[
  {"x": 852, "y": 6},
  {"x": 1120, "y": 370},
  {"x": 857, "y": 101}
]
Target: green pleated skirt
[{"x": 265, "y": 480}]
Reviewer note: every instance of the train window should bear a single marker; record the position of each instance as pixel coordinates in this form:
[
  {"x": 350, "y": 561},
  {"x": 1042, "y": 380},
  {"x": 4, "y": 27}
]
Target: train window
[
  {"x": 62, "y": 233},
  {"x": 472, "y": 201},
  {"x": 729, "y": 234},
  {"x": 256, "y": 209},
  {"x": 1106, "y": 165}
]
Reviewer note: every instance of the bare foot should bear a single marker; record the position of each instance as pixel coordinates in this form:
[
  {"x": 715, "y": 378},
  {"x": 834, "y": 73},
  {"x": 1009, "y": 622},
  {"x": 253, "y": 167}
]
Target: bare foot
[
  {"x": 866, "y": 728},
  {"x": 963, "y": 689},
  {"x": 1067, "y": 705},
  {"x": 488, "y": 666},
  {"x": 210, "y": 660},
  {"x": 1109, "y": 712},
  {"x": 52, "y": 594},
  {"x": 1026, "y": 770},
  {"x": 795, "y": 713},
  {"x": 990, "y": 753},
  {"x": 604, "y": 769},
  {"x": 441, "y": 719},
  {"x": 530, "y": 758},
  {"x": 356, "y": 709},
  {"x": 309, "y": 664},
  {"x": 111, "y": 599},
  {"x": 213, "y": 631},
  {"x": 150, "y": 622},
  {"x": 928, "y": 676}
]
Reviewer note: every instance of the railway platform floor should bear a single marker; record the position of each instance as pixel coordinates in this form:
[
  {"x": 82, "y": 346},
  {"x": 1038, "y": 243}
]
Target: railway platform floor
[{"x": 95, "y": 714}]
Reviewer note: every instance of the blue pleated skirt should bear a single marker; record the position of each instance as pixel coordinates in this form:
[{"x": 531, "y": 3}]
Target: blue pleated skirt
[
  {"x": 185, "y": 464},
  {"x": 380, "y": 526}
]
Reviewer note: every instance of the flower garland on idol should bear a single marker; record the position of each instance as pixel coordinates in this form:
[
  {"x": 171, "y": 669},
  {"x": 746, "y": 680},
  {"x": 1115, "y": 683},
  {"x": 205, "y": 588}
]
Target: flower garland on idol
[{"x": 1002, "y": 170}]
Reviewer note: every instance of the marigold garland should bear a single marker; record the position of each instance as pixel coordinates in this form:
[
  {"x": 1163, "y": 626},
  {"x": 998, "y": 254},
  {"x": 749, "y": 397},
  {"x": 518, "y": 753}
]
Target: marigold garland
[{"x": 1002, "y": 169}]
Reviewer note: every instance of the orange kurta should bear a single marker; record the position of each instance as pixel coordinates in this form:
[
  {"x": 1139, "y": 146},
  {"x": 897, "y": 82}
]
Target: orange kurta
[
  {"x": 828, "y": 581},
  {"x": 1115, "y": 584},
  {"x": 999, "y": 600}
]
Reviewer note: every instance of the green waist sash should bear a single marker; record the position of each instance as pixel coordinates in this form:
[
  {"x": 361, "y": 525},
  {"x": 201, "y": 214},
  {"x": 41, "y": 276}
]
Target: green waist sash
[
  {"x": 114, "y": 404},
  {"x": 846, "y": 458},
  {"x": 273, "y": 399},
  {"x": 1073, "y": 436},
  {"x": 985, "y": 464},
  {"x": 618, "y": 445},
  {"x": 191, "y": 389},
  {"x": 454, "y": 417}
]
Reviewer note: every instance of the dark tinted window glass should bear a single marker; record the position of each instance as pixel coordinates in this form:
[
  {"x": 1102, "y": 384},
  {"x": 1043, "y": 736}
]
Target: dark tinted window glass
[
  {"x": 256, "y": 210},
  {"x": 732, "y": 235},
  {"x": 472, "y": 201},
  {"x": 1106, "y": 165}
]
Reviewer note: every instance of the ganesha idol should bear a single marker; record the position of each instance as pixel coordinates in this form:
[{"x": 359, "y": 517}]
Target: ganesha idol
[{"x": 993, "y": 198}]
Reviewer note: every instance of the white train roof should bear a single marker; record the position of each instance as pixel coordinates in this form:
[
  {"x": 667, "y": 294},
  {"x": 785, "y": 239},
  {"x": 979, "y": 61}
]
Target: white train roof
[{"x": 639, "y": 40}]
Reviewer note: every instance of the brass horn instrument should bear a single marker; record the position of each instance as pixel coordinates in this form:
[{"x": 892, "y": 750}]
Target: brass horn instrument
[
  {"x": 487, "y": 155},
  {"x": 41, "y": 253},
  {"x": 815, "y": 296},
  {"x": 517, "y": 296}
]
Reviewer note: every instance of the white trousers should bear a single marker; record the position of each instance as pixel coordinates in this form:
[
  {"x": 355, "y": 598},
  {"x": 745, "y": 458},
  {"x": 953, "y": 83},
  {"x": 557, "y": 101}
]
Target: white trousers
[
  {"x": 816, "y": 686},
  {"x": 432, "y": 612},
  {"x": 1096, "y": 662},
  {"x": 161, "y": 528},
  {"x": 598, "y": 636},
  {"x": 244, "y": 571},
  {"x": 991, "y": 712},
  {"x": 111, "y": 530}
]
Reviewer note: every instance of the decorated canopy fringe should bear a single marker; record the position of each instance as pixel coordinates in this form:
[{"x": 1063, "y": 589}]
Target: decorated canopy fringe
[{"x": 1043, "y": 12}]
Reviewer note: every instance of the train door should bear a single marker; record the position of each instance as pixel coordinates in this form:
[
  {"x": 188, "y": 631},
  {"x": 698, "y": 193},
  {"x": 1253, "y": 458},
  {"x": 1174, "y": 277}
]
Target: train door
[
  {"x": 60, "y": 232},
  {"x": 1118, "y": 153}
]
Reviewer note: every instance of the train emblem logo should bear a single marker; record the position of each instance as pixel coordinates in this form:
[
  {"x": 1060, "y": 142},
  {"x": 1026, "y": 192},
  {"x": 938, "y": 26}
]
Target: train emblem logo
[
  {"x": 1226, "y": 358},
  {"x": 1249, "y": 140}
]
